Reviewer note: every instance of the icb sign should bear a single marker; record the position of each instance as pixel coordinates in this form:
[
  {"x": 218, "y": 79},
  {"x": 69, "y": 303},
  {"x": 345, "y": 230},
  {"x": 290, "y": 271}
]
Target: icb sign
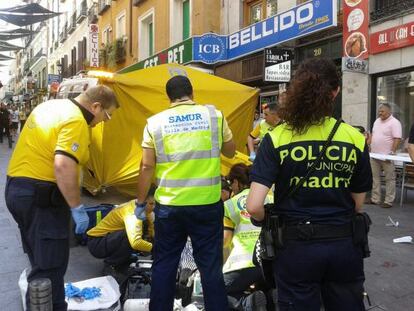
[
  {"x": 278, "y": 64},
  {"x": 209, "y": 48}
]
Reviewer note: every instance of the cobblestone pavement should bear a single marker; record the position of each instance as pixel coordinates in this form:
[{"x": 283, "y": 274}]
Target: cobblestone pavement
[{"x": 389, "y": 270}]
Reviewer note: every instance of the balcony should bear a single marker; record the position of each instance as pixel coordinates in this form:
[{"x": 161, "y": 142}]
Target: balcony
[
  {"x": 82, "y": 12},
  {"x": 120, "y": 50},
  {"x": 64, "y": 34},
  {"x": 103, "y": 5},
  {"x": 387, "y": 8},
  {"x": 72, "y": 25},
  {"x": 93, "y": 14}
]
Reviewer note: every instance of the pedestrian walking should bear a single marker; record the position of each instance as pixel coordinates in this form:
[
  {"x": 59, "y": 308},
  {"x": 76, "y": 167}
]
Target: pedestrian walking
[
  {"x": 43, "y": 188},
  {"x": 182, "y": 145},
  {"x": 321, "y": 171}
]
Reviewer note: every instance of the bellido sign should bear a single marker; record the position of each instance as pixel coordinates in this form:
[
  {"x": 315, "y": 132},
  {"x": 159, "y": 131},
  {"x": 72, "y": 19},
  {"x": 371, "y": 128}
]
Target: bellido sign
[{"x": 211, "y": 48}]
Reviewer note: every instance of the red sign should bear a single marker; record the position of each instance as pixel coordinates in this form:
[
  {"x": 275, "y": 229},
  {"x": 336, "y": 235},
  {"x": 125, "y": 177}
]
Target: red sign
[
  {"x": 356, "y": 23},
  {"x": 392, "y": 38}
]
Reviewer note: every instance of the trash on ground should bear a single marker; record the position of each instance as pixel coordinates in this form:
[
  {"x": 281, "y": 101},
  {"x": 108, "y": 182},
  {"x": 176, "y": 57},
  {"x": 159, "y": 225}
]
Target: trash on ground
[
  {"x": 404, "y": 239},
  {"x": 392, "y": 223}
]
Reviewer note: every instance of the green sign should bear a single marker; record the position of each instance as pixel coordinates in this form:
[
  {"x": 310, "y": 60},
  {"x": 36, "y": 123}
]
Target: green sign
[{"x": 180, "y": 53}]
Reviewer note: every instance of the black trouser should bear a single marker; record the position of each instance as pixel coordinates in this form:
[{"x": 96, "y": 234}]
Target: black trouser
[
  {"x": 44, "y": 232},
  {"x": 4, "y": 129},
  {"x": 113, "y": 247},
  {"x": 332, "y": 269}
]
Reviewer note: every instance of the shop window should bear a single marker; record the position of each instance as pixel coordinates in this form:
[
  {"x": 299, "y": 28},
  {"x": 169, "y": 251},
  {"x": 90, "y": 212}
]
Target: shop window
[
  {"x": 146, "y": 34},
  {"x": 398, "y": 91}
]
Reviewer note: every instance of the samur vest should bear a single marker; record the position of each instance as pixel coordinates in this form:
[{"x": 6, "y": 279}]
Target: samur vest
[{"x": 187, "y": 141}]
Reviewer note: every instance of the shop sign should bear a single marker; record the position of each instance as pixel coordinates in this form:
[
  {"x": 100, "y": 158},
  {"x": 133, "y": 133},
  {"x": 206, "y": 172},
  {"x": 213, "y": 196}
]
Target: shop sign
[
  {"x": 355, "y": 29},
  {"x": 94, "y": 45},
  {"x": 209, "y": 48},
  {"x": 392, "y": 38},
  {"x": 354, "y": 65},
  {"x": 278, "y": 63},
  {"x": 297, "y": 22},
  {"x": 181, "y": 53},
  {"x": 52, "y": 78}
]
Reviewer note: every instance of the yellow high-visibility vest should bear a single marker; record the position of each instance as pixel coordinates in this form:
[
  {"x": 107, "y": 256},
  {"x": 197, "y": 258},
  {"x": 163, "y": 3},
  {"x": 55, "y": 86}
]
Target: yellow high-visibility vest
[{"x": 187, "y": 141}]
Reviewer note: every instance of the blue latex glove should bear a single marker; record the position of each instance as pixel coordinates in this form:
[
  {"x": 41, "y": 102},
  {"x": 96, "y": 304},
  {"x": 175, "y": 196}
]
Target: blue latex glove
[
  {"x": 81, "y": 218},
  {"x": 140, "y": 210},
  {"x": 252, "y": 156}
]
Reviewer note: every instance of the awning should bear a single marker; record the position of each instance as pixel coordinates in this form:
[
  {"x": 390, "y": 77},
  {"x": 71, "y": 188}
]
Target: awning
[
  {"x": 24, "y": 15},
  {"x": 5, "y": 57},
  {"x": 4, "y": 46},
  {"x": 15, "y": 34}
]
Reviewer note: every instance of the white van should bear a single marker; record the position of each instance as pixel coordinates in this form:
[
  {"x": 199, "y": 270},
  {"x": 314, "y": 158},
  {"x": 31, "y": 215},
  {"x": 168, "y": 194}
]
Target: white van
[{"x": 70, "y": 88}]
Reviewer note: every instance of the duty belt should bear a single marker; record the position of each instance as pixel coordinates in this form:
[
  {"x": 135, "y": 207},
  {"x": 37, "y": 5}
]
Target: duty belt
[{"x": 309, "y": 231}]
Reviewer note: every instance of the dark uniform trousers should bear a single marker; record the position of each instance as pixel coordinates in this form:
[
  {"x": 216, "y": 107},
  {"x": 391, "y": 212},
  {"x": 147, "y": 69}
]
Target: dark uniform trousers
[
  {"x": 5, "y": 129},
  {"x": 305, "y": 271},
  {"x": 44, "y": 231},
  {"x": 113, "y": 247},
  {"x": 204, "y": 225}
]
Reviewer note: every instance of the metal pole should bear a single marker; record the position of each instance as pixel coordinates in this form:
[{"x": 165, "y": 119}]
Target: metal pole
[{"x": 40, "y": 295}]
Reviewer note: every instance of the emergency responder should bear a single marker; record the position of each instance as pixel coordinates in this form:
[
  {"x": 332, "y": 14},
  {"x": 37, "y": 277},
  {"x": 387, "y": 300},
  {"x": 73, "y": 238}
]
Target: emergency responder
[
  {"x": 316, "y": 256},
  {"x": 271, "y": 120},
  {"x": 182, "y": 146},
  {"x": 239, "y": 271},
  {"x": 120, "y": 233},
  {"x": 43, "y": 180}
]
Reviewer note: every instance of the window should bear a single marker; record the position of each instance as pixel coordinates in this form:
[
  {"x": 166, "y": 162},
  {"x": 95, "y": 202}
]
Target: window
[
  {"x": 186, "y": 19},
  {"x": 106, "y": 35},
  {"x": 255, "y": 13},
  {"x": 180, "y": 20},
  {"x": 398, "y": 91},
  {"x": 146, "y": 33},
  {"x": 121, "y": 25},
  {"x": 271, "y": 8}
]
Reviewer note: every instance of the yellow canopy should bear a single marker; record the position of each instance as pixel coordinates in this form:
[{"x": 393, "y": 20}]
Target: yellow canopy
[{"x": 115, "y": 151}]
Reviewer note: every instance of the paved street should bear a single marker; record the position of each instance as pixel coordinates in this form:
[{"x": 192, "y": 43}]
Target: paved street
[{"x": 389, "y": 271}]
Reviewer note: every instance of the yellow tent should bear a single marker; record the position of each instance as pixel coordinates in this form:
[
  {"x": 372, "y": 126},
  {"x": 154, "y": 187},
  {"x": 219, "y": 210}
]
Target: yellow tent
[{"x": 115, "y": 151}]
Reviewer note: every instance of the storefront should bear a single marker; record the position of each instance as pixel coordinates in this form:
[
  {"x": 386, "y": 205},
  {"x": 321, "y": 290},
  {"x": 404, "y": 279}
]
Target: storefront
[{"x": 392, "y": 71}]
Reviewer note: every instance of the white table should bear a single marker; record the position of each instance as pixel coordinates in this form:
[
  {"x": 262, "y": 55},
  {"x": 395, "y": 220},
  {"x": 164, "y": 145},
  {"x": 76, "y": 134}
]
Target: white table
[{"x": 399, "y": 157}]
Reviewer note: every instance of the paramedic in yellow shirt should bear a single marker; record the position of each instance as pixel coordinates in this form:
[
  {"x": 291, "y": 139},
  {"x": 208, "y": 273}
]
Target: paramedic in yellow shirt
[
  {"x": 121, "y": 233},
  {"x": 43, "y": 188}
]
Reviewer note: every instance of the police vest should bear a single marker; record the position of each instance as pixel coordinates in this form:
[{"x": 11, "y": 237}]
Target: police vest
[
  {"x": 265, "y": 128},
  {"x": 245, "y": 234},
  {"x": 187, "y": 141}
]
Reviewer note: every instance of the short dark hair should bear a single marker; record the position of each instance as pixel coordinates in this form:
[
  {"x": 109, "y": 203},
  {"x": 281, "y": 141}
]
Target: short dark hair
[
  {"x": 103, "y": 94},
  {"x": 240, "y": 172},
  {"x": 178, "y": 87}
]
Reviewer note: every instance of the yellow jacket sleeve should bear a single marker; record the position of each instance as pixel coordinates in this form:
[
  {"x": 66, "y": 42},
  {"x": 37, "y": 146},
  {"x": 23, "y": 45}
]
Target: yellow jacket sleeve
[{"x": 134, "y": 230}]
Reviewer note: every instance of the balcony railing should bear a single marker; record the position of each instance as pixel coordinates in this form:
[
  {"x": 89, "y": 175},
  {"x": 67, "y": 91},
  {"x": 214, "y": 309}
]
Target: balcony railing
[
  {"x": 386, "y": 8},
  {"x": 82, "y": 12},
  {"x": 93, "y": 14},
  {"x": 103, "y": 5},
  {"x": 72, "y": 25}
]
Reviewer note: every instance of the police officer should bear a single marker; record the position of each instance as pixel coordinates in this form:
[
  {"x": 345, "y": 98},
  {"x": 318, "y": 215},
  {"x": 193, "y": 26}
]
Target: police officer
[
  {"x": 317, "y": 257},
  {"x": 43, "y": 180},
  {"x": 182, "y": 146},
  {"x": 239, "y": 271},
  {"x": 271, "y": 120}
]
